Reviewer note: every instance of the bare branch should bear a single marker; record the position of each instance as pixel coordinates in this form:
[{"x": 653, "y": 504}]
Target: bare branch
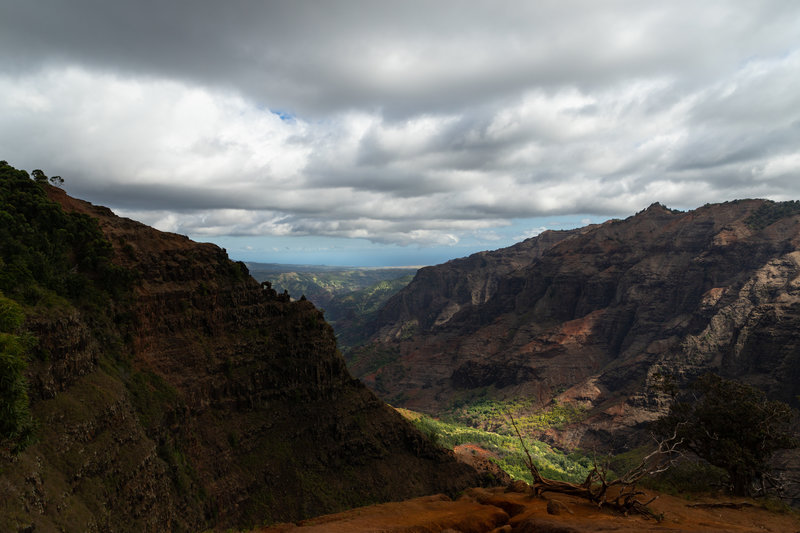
[{"x": 595, "y": 487}]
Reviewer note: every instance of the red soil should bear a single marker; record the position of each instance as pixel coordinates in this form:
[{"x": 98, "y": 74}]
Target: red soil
[{"x": 498, "y": 511}]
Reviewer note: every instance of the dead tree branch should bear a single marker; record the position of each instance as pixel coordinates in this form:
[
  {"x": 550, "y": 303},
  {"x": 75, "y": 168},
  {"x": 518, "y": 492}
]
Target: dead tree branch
[{"x": 621, "y": 493}]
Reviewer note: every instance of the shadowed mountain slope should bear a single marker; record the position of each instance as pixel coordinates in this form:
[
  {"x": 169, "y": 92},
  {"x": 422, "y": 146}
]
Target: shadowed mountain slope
[{"x": 199, "y": 399}]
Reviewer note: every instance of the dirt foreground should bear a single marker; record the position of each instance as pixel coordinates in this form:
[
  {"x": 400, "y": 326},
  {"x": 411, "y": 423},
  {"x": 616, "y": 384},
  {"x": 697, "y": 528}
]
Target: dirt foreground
[{"x": 507, "y": 511}]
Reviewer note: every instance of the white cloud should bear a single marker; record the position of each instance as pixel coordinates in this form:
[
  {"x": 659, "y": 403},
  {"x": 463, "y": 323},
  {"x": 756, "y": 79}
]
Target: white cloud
[
  {"x": 532, "y": 232},
  {"x": 402, "y": 128}
]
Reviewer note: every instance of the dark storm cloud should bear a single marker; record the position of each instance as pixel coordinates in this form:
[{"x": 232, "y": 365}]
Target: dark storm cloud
[
  {"x": 401, "y": 121},
  {"x": 405, "y": 57}
]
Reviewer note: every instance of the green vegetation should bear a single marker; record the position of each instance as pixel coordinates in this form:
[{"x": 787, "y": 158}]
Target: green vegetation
[
  {"x": 366, "y": 301},
  {"x": 492, "y": 415},
  {"x": 184, "y": 476},
  {"x": 485, "y": 422},
  {"x": 770, "y": 212},
  {"x": 16, "y": 423},
  {"x": 152, "y": 397},
  {"x": 350, "y": 313},
  {"x": 45, "y": 251},
  {"x": 732, "y": 426},
  {"x": 489, "y": 414},
  {"x": 351, "y": 297},
  {"x": 507, "y": 449},
  {"x": 50, "y": 261},
  {"x": 322, "y": 284}
]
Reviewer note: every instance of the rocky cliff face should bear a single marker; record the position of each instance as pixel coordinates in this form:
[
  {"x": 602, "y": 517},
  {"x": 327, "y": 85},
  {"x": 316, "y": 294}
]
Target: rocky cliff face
[
  {"x": 201, "y": 400},
  {"x": 439, "y": 293},
  {"x": 601, "y": 317}
]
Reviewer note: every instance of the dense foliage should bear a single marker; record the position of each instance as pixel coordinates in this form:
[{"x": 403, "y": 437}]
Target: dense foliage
[
  {"x": 350, "y": 313},
  {"x": 770, "y": 212},
  {"x": 731, "y": 425},
  {"x": 16, "y": 424},
  {"x": 47, "y": 257},
  {"x": 44, "y": 249},
  {"x": 362, "y": 302}
]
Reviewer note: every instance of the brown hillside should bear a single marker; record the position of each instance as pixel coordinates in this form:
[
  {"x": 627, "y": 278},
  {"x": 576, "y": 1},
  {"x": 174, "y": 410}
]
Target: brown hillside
[{"x": 201, "y": 400}]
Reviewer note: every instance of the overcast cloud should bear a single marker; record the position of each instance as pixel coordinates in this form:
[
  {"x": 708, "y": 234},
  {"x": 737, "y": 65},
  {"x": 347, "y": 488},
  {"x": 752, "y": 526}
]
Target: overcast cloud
[{"x": 402, "y": 123}]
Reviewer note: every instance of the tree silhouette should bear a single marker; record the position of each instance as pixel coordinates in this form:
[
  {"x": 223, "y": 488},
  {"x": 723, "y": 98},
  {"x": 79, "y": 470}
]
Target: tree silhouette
[{"x": 38, "y": 176}]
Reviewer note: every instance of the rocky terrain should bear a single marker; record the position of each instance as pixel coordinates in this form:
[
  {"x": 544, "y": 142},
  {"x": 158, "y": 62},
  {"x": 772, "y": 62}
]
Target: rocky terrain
[
  {"x": 200, "y": 399},
  {"x": 606, "y": 318}
]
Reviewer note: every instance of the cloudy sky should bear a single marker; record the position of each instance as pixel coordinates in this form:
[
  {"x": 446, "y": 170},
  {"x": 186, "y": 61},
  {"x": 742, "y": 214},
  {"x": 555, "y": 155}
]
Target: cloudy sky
[{"x": 407, "y": 132}]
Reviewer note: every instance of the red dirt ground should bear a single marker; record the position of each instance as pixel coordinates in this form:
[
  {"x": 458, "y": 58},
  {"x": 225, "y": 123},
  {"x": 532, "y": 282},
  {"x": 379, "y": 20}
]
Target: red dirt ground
[{"x": 498, "y": 511}]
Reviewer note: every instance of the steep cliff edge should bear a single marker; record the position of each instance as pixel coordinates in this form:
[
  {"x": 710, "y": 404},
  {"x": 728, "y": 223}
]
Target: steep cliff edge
[
  {"x": 602, "y": 317},
  {"x": 199, "y": 399},
  {"x": 438, "y": 293}
]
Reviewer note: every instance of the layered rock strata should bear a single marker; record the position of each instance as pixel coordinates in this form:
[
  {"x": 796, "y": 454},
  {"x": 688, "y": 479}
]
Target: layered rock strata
[{"x": 201, "y": 400}]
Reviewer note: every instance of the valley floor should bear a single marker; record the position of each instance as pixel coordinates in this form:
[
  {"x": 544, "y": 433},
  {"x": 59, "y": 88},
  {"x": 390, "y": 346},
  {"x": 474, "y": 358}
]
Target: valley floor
[{"x": 502, "y": 510}]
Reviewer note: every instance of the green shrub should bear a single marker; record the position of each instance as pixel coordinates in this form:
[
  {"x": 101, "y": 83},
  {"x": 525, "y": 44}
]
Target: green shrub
[{"x": 492, "y": 415}]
